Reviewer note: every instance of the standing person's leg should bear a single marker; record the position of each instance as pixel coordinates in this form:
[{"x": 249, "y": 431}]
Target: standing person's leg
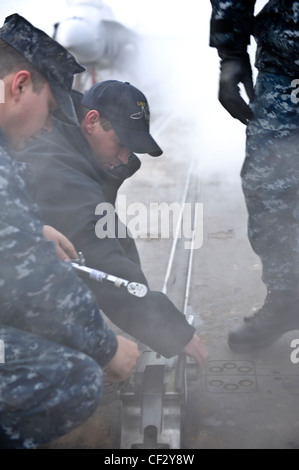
[{"x": 270, "y": 180}]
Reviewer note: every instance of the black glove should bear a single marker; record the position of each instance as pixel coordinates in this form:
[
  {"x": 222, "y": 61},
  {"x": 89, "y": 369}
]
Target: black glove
[{"x": 235, "y": 69}]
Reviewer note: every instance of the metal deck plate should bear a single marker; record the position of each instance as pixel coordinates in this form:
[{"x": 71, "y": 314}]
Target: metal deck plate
[{"x": 231, "y": 376}]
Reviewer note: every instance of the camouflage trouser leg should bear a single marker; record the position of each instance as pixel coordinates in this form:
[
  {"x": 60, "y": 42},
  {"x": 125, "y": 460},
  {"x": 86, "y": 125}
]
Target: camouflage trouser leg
[
  {"x": 270, "y": 179},
  {"x": 46, "y": 389}
]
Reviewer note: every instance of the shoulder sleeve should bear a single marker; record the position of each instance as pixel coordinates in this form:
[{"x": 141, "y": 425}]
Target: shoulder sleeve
[
  {"x": 38, "y": 292},
  {"x": 231, "y": 22}
]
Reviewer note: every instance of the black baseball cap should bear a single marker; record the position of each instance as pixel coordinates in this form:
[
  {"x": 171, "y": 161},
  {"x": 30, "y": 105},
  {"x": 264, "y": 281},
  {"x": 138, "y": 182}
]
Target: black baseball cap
[
  {"x": 127, "y": 109},
  {"x": 48, "y": 56}
]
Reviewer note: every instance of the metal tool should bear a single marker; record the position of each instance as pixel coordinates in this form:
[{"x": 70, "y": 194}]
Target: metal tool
[
  {"x": 134, "y": 288},
  {"x": 155, "y": 401}
]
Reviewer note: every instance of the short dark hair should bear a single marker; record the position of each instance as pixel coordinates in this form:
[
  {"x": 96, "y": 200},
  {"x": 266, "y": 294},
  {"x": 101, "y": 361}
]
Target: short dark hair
[
  {"x": 82, "y": 112},
  {"x": 12, "y": 61}
]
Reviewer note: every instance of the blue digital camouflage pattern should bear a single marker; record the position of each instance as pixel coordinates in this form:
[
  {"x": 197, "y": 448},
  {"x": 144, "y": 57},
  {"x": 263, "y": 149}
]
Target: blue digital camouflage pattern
[
  {"x": 55, "y": 338},
  {"x": 46, "y": 389},
  {"x": 231, "y": 22},
  {"x": 270, "y": 174},
  {"x": 47, "y": 55},
  {"x": 270, "y": 178},
  {"x": 52, "y": 60},
  {"x": 275, "y": 28}
]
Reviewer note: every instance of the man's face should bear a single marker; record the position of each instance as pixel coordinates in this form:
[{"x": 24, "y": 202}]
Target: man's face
[
  {"x": 31, "y": 116},
  {"x": 107, "y": 148}
]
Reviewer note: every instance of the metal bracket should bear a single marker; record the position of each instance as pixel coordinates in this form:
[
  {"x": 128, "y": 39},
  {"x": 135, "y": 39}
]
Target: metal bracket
[{"x": 153, "y": 403}]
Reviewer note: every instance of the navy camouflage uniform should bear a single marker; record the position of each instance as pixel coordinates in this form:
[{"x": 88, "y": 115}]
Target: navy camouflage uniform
[
  {"x": 270, "y": 174},
  {"x": 55, "y": 340},
  {"x": 54, "y": 336}
]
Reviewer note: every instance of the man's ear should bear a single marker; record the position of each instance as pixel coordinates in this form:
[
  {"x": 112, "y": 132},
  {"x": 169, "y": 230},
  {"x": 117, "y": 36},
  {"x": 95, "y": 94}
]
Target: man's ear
[
  {"x": 92, "y": 118},
  {"x": 20, "y": 81}
]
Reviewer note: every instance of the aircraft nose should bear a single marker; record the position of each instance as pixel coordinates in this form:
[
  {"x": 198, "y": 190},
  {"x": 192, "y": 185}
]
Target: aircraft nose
[{"x": 76, "y": 35}]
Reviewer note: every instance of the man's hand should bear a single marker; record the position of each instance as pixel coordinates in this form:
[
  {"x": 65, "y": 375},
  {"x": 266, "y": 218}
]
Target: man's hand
[
  {"x": 65, "y": 250},
  {"x": 196, "y": 349},
  {"x": 236, "y": 69},
  {"x": 123, "y": 363}
]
